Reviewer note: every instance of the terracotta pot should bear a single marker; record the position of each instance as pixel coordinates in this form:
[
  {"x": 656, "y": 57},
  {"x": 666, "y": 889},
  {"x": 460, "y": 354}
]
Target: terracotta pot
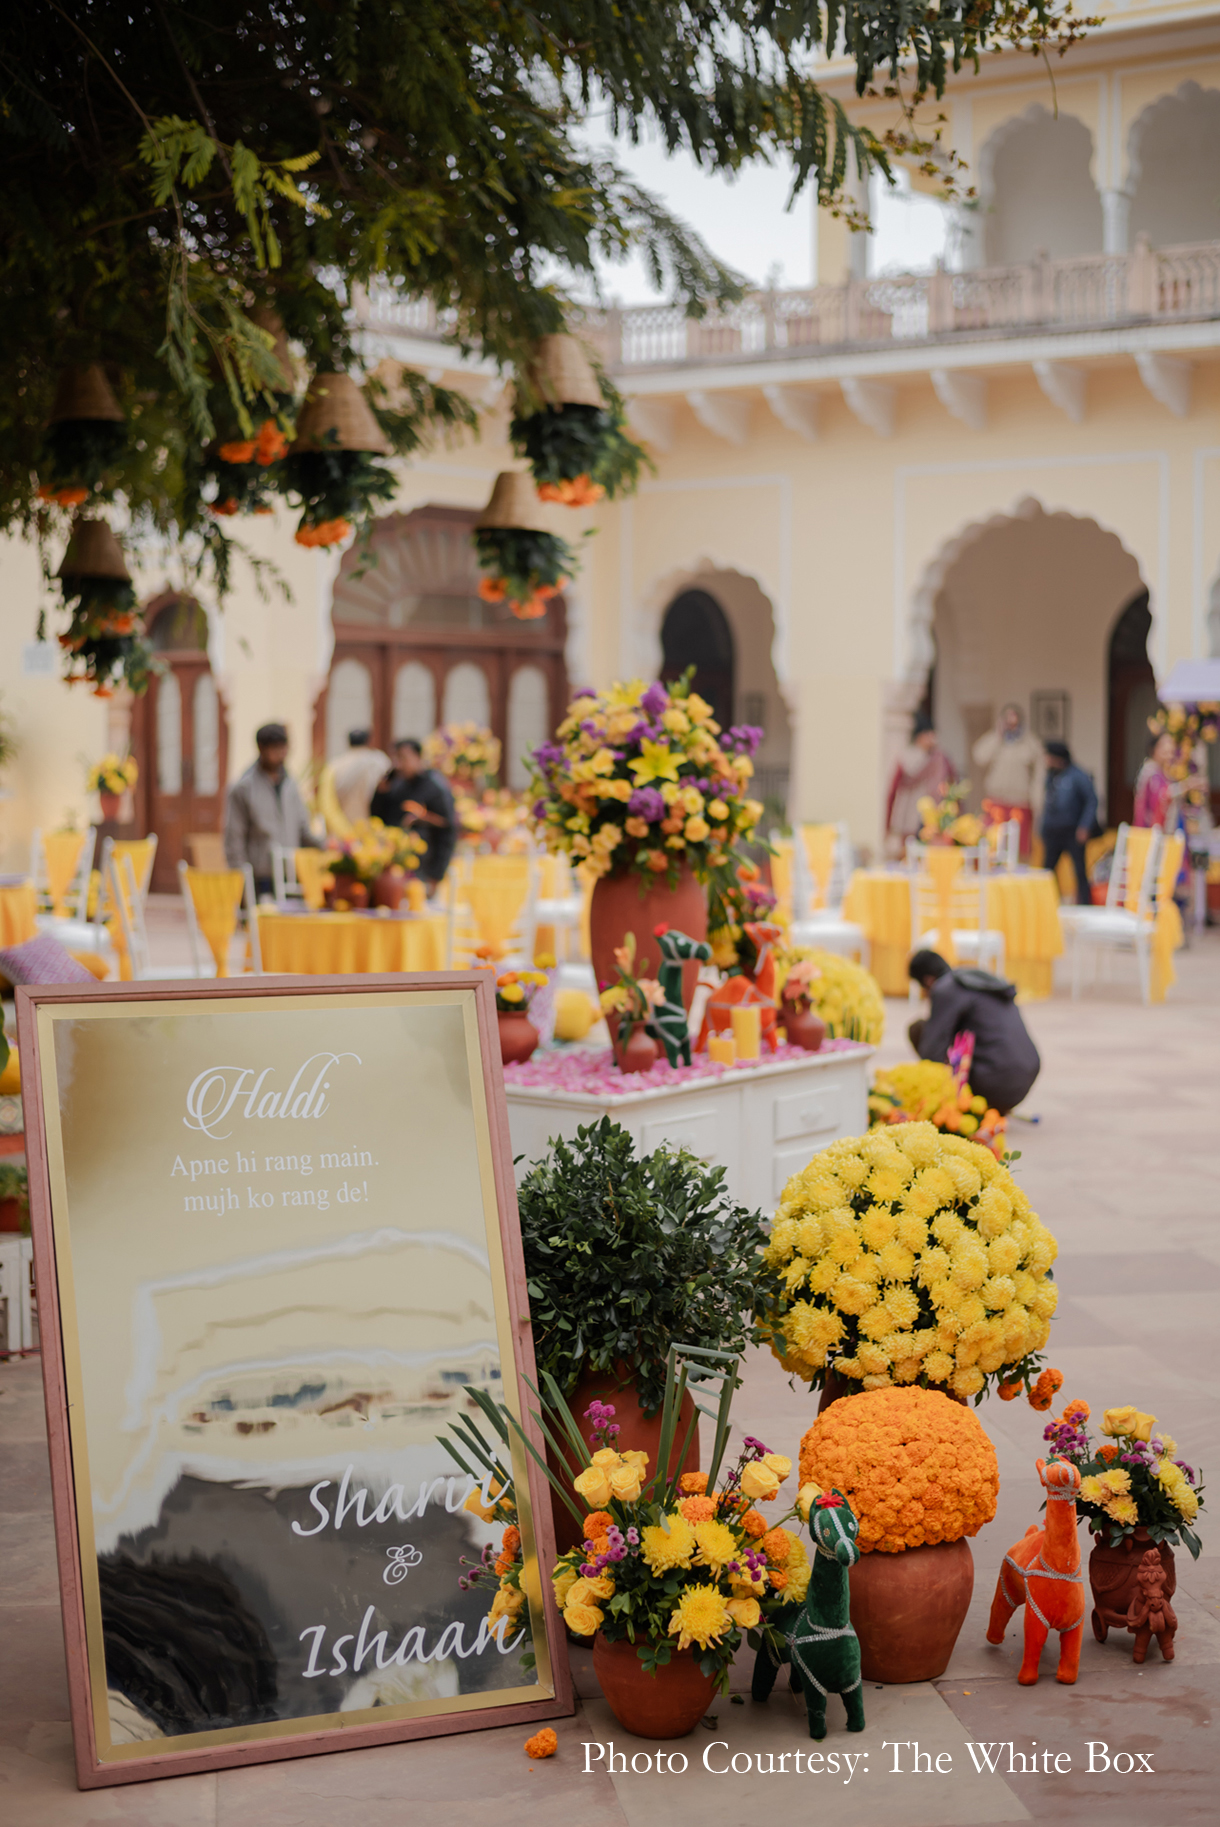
[
  {"x": 12, "y": 1215},
  {"x": 1112, "y": 1576},
  {"x": 908, "y": 1608},
  {"x": 639, "y": 1053},
  {"x": 618, "y": 907},
  {"x": 109, "y": 803},
  {"x": 668, "y": 1704},
  {"x": 388, "y": 890},
  {"x": 804, "y": 1028},
  {"x": 836, "y": 1387},
  {"x": 347, "y": 889},
  {"x": 518, "y": 1037},
  {"x": 638, "y": 1430}
]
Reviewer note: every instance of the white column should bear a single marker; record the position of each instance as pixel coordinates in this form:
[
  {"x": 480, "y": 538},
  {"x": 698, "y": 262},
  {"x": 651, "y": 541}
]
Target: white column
[{"x": 1115, "y": 215}]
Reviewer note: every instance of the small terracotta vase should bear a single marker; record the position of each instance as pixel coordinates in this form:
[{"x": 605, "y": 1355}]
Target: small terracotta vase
[
  {"x": 639, "y": 1053},
  {"x": 518, "y": 1037},
  {"x": 388, "y": 890},
  {"x": 346, "y": 894},
  {"x": 1113, "y": 1578},
  {"x": 109, "y": 803},
  {"x": 668, "y": 1704},
  {"x": 12, "y": 1214},
  {"x": 639, "y": 1430},
  {"x": 805, "y": 1029},
  {"x": 908, "y": 1608}
]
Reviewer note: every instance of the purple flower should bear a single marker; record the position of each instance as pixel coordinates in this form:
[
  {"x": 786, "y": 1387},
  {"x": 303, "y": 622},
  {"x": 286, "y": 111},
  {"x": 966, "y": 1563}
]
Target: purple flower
[
  {"x": 590, "y": 729},
  {"x": 549, "y": 755},
  {"x": 742, "y": 739},
  {"x": 655, "y": 700},
  {"x": 540, "y": 808},
  {"x": 734, "y": 1566},
  {"x": 647, "y": 802},
  {"x": 633, "y": 1536},
  {"x": 753, "y": 1448},
  {"x": 1188, "y": 1469},
  {"x": 589, "y": 1569}
]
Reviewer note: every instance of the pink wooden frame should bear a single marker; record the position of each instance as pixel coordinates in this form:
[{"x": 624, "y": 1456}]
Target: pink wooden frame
[{"x": 90, "y": 1772}]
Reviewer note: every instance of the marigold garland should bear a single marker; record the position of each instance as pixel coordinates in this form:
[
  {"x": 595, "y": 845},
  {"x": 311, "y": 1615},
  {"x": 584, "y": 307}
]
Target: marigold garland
[
  {"x": 908, "y": 1256},
  {"x": 915, "y": 1466}
]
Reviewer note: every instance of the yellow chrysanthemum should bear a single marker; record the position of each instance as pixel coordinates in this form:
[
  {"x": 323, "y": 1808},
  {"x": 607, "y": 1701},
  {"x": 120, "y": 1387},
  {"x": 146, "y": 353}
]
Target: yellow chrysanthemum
[
  {"x": 717, "y": 1545},
  {"x": 896, "y": 1262},
  {"x": 878, "y": 1226},
  {"x": 912, "y": 1231},
  {"x": 673, "y": 1546},
  {"x": 919, "y": 1142},
  {"x": 701, "y": 1617},
  {"x": 852, "y": 1296},
  {"x": 902, "y": 1305}
]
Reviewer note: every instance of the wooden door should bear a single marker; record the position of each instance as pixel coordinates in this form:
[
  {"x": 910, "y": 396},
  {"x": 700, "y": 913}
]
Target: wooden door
[{"x": 180, "y": 739}]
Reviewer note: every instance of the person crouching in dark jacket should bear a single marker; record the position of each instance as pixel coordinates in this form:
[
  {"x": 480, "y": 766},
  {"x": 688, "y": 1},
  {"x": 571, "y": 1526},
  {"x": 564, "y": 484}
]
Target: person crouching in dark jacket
[{"x": 1006, "y": 1061}]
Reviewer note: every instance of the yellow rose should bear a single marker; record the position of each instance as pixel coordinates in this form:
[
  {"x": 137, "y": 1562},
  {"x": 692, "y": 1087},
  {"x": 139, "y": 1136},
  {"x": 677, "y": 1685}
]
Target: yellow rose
[
  {"x": 778, "y": 1464},
  {"x": 758, "y": 1481},
  {"x": 562, "y": 1585},
  {"x": 506, "y": 1604},
  {"x": 607, "y": 1457},
  {"x": 696, "y": 829},
  {"x": 718, "y": 809},
  {"x": 744, "y": 1612},
  {"x": 594, "y": 1486},
  {"x": 1127, "y": 1424},
  {"x": 625, "y": 1483},
  {"x": 583, "y": 1620},
  {"x": 633, "y": 1456},
  {"x": 474, "y": 1503},
  {"x": 601, "y": 1587},
  {"x": 805, "y": 1499}
]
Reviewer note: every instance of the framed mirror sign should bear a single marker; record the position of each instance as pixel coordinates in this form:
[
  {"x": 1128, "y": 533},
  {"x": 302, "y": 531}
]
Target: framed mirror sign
[{"x": 277, "y": 1255}]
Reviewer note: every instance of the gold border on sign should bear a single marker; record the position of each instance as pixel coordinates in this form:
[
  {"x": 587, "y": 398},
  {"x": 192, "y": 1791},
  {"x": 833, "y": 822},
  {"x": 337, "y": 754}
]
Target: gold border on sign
[{"x": 107, "y": 1752}]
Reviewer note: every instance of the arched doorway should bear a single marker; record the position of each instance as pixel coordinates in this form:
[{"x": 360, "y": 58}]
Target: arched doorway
[
  {"x": 415, "y": 645},
  {"x": 1132, "y": 701},
  {"x": 1038, "y": 190},
  {"x": 1175, "y": 152},
  {"x": 696, "y": 632},
  {"x": 179, "y": 736}
]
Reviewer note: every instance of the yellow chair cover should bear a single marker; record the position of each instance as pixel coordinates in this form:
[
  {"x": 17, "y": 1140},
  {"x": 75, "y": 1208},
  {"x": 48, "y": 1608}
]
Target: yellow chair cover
[
  {"x": 495, "y": 891},
  {"x": 943, "y": 863},
  {"x": 781, "y": 880},
  {"x": 313, "y": 873},
  {"x": 1167, "y": 934},
  {"x": 62, "y": 852},
  {"x": 1138, "y": 840},
  {"x": 337, "y": 944},
  {"x": 18, "y": 914},
  {"x": 1024, "y": 907},
  {"x": 820, "y": 849},
  {"x": 216, "y": 896}
]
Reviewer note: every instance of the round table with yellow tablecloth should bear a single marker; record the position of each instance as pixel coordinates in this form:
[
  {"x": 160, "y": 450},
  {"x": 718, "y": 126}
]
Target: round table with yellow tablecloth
[
  {"x": 18, "y": 914},
  {"x": 1023, "y": 905},
  {"x": 350, "y": 944}
]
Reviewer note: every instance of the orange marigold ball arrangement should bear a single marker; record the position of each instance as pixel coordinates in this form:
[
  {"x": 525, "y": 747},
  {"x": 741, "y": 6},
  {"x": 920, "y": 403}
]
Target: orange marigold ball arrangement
[{"x": 915, "y": 1466}]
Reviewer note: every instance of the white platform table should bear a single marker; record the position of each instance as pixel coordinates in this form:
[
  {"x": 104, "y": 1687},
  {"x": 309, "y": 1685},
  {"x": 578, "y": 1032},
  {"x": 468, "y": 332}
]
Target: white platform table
[{"x": 761, "y": 1122}]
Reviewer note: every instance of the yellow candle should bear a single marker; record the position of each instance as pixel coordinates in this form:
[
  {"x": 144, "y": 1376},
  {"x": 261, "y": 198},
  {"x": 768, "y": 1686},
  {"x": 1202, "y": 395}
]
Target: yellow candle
[
  {"x": 417, "y": 896},
  {"x": 747, "y": 1032},
  {"x": 722, "y": 1049}
]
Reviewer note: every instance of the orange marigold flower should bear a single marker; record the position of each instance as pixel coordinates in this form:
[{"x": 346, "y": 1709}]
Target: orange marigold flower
[
  {"x": 694, "y": 1484},
  {"x": 1077, "y": 1411},
  {"x": 754, "y": 1523},
  {"x": 531, "y": 608},
  {"x": 227, "y": 507},
  {"x": 1108, "y": 1452},
  {"x": 698, "y": 1509},
  {"x": 776, "y": 1545},
  {"x": 596, "y": 1523},
  {"x": 493, "y": 589},
  {"x": 510, "y": 1542},
  {"x": 915, "y": 1466},
  {"x": 1045, "y": 1389},
  {"x": 1008, "y": 1392},
  {"x": 271, "y": 443},
  {"x": 542, "y": 1744},
  {"x": 778, "y": 1577},
  {"x": 239, "y": 450}
]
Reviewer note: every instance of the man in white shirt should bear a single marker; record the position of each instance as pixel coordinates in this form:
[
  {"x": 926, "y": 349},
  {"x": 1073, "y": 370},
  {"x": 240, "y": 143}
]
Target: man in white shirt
[{"x": 356, "y": 776}]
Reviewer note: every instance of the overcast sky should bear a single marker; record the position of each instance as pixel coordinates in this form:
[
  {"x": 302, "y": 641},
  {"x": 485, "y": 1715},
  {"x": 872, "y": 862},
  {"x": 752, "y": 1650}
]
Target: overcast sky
[{"x": 745, "y": 222}]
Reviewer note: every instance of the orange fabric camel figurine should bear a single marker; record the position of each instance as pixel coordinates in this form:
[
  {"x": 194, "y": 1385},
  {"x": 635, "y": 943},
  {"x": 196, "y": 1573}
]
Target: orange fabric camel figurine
[
  {"x": 1042, "y": 1572},
  {"x": 748, "y": 992}
]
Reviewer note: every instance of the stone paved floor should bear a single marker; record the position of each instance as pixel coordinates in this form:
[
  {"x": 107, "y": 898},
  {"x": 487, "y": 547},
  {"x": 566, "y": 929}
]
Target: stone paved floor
[{"x": 1122, "y": 1167}]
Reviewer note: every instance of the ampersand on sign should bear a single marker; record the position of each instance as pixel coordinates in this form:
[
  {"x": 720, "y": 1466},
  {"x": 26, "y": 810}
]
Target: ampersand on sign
[{"x": 401, "y": 1562}]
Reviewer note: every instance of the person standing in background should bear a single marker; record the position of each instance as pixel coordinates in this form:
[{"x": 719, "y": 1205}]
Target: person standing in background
[
  {"x": 418, "y": 799},
  {"x": 1011, "y": 760},
  {"x": 1069, "y": 807},
  {"x": 355, "y": 777},
  {"x": 264, "y": 808},
  {"x": 922, "y": 768}
]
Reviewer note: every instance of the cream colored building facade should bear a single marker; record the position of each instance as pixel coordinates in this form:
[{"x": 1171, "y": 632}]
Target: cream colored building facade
[{"x": 996, "y": 481}]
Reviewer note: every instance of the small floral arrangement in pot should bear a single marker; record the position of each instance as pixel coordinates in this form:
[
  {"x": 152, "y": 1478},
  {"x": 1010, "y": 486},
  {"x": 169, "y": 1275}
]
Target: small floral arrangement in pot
[
  {"x": 643, "y": 778},
  {"x": 944, "y": 822},
  {"x": 1132, "y": 1479},
  {"x": 631, "y": 998},
  {"x": 464, "y": 752},
  {"x": 112, "y": 774},
  {"x": 515, "y": 990},
  {"x": 372, "y": 848},
  {"x": 908, "y": 1256}
]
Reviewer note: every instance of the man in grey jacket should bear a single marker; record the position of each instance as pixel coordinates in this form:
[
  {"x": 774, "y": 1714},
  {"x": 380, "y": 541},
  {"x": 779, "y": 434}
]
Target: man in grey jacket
[
  {"x": 265, "y": 808},
  {"x": 1006, "y": 1061}
]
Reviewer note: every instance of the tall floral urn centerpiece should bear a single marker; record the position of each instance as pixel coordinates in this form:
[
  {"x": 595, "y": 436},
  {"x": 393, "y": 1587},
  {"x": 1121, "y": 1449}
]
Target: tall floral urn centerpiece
[
  {"x": 1140, "y": 1498},
  {"x": 642, "y": 788},
  {"x": 613, "y": 1281},
  {"x": 920, "y": 1475}
]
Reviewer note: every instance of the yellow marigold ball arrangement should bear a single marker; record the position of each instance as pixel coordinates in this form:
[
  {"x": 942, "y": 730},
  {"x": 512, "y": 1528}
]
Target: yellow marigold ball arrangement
[
  {"x": 908, "y": 1256},
  {"x": 915, "y": 1466}
]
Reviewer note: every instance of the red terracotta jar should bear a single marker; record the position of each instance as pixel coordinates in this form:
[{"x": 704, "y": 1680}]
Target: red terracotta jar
[
  {"x": 1112, "y": 1576},
  {"x": 518, "y": 1037},
  {"x": 347, "y": 889},
  {"x": 639, "y": 1053},
  {"x": 626, "y": 902},
  {"x": 668, "y": 1704},
  {"x": 638, "y": 1430},
  {"x": 389, "y": 889},
  {"x": 908, "y": 1608},
  {"x": 12, "y": 1214},
  {"x": 804, "y": 1028},
  {"x": 109, "y": 803}
]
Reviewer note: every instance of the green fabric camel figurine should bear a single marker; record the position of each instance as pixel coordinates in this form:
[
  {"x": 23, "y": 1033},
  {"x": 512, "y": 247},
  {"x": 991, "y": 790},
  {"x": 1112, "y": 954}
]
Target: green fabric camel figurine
[
  {"x": 669, "y": 1020},
  {"x": 824, "y": 1648}
]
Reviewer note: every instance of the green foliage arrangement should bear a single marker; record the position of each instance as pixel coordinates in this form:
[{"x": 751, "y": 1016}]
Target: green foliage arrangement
[
  {"x": 524, "y": 567},
  {"x": 623, "y": 1255},
  {"x": 569, "y": 445},
  {"x": 104, "y": 641},
  {"x": 338, "y": 489},
  {"x": 80, "y": 458},
  {"x": 14, "y": 1180}
]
